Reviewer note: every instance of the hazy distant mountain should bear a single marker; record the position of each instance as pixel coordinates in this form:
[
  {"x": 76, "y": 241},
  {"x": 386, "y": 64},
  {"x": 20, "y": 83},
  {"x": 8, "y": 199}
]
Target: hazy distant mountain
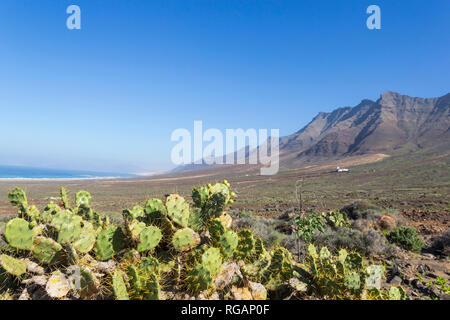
[{"x": 390, "y": 124}]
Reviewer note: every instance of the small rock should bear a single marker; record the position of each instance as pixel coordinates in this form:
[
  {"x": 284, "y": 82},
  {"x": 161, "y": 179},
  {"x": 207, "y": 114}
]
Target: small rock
[
  {"x": 396, "y": 280},
  {"x": 423, "y": 268},
  {"x": 24, "y": 295},
  {"x": 444, "y": 296}
]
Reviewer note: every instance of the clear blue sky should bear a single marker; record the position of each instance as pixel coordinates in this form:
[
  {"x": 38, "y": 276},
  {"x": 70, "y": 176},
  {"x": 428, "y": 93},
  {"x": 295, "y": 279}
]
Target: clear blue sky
[{"x": 107, "y": 97}]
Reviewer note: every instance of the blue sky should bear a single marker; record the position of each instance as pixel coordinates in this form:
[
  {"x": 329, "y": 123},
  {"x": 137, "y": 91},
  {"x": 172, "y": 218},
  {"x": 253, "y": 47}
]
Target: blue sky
[{"x": 107, "y": 97}]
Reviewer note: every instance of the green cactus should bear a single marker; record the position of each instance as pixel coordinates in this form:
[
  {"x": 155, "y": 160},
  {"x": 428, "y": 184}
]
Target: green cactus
[
  {"x": 109, "y": 242},
  {"x": 212, "y": 260},
  {"x": 89, "y": 284},
  {"x": 185, "y": 239},
  {"x": 134, "y": 229},
  {"x": 70, "y": 253},
  {"x": 216, "y": 230},
  {"x": 87, "y": 238},
  {"x": 136, "y": 282},
  {"x": 374, "y": 275},
  {"x": 256, "y": 270},
  {"x": 178, "y": 210},
  {"x": 18, "y": 198},
  {"x": 200, "y": 196},
  {"x": 83, "y": 197},
  {"x": 149, "y": 238},
  {"x": 70, "y": 231},
  {"x": 49, "y": 211},
  {"x": 119, "y": 286},
  {"x": 136, "y": 213},
  {"x": 46, "y": 250},
  {"x": 152, "y": 288},
  {"x": 228, "y": 243},
  {"x": 12, "y": 266},
  {"x": 198, "y": 279},
  {"x": 281, "y": 264},
  {"x": 352, "y": 281},
  {"x": 32, "y": 214},
  {"x": 60, "y": 218},
  {"x": 149, "y": 265},
  {"x": 246, "y": 245},
  {"x": 64, "y": 198},
  {"x": 18, "y": 234},
  {"x": 154, "y": 210},
  {"x": 396, "y": 293}
]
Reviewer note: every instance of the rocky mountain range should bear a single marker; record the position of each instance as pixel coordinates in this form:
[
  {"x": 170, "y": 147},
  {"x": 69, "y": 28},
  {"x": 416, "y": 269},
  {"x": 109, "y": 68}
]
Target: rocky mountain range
[{"x": 392, "y": 124}]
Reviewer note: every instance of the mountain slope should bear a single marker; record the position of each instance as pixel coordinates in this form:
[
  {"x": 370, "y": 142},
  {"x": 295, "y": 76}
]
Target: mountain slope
[
  {"x": 383, "y": 126},
  {"x": 393, "y": 124}
]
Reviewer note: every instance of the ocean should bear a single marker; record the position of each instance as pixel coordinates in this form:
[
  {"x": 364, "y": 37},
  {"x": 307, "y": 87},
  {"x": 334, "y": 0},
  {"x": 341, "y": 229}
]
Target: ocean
[{"x": 16, "y": 172}]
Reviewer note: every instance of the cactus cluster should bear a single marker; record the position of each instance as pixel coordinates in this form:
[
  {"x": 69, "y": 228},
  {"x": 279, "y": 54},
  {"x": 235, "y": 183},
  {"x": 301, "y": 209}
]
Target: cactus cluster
[
  {"x": 162, "y": 249},
  {"x": 344, "y": 276}
]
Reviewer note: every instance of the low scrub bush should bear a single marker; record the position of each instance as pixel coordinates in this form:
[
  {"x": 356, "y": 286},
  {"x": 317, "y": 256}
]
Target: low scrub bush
[
  {"x": 367, "y": 242},
  {"x": 407, "y": 238}
]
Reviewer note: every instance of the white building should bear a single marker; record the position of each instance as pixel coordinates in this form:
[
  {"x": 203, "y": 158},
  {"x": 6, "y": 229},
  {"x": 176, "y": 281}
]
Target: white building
[{"x": 338, "y": 169}]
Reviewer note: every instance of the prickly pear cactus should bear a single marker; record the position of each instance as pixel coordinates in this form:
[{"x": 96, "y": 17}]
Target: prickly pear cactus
[
  {"x": 374, "y": 275},
  {"x": 212, "y": 260},
  {"x": 46, "y": 250},
  {"x": 198, "y": 279},
  {"x": 200, "y": 195},
  {"x": 178, "y": 210},
  {"x": 135, "y": 213},
  {"x": 134, "y": 228},
  {"x": 352, "y": 281},
  {"x": 119, "y": 286},
  {"x": 216, "y": 230},
  {"x": 87, "y": 238},
  {"x": 12, "y": 266},
  {"x": 246, "y": 245},
  {"x": 154, "y": 210},
  {"x": 64, "y": 198},
  {"x": 18, "y": 198},
  {"x": 70, "y": 231},
  {"x": 149, "y": 238},
  {"x": 152, "y": 288},
  {"x": 185, "y": 239},
  {"x": 83, "y": 198},
  {"x": 396, "y": 293},
  {"x": 228, "y": 243},
  {"x": 109, "y": 242},
  {"x": 18, "y": 234},
  {"x": 281, "y": 264}
]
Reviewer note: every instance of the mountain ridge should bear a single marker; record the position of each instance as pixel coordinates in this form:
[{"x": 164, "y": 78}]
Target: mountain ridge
[{"x": 386, "y": 126}]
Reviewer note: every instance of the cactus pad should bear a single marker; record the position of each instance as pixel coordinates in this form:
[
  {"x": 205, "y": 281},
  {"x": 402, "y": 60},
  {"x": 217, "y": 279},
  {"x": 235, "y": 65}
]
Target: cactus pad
[
  {"x": 149, "y": 238},
  {"x": 119, "y": 286},
  {"x": 177, "y": 210},
  {"x": 46, "y": 250},
  {"x": 87, "y": 238},
  {"x": 83, "y": 198},
  {"x": 185, "y": 239},
  {"x": 109, "y": 242},
  {"x": 18, "y": 234},
  {"x": 13, "y": 266}
]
